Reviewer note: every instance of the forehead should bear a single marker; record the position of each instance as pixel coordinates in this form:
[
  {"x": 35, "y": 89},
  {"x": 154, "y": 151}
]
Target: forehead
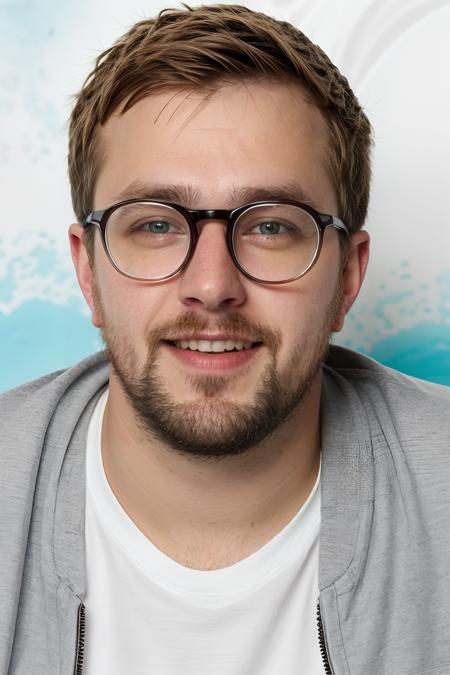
[{"x": 242, "y": 133}]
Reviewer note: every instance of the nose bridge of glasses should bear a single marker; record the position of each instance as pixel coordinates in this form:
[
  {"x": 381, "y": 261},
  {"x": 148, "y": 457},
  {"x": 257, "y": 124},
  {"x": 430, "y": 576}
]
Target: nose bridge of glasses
[
  {"x": 210, "y": 214},
  {"x": 220, "y": 217}
]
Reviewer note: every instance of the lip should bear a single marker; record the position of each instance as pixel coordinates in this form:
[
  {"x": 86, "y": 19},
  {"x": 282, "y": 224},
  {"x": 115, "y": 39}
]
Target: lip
[{"x": 213, "y": 363}]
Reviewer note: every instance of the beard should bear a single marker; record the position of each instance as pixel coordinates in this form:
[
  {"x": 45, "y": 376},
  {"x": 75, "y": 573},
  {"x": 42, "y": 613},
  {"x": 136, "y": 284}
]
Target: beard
[{"x": 214, "y": 427}]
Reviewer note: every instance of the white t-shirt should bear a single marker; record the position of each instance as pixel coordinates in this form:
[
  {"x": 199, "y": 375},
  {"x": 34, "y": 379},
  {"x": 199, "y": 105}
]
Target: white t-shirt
[{"x": 146, "y": 614}]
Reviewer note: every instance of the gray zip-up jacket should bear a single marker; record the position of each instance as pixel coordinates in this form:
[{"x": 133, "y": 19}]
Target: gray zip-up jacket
[{"x": 384, "y": 570}]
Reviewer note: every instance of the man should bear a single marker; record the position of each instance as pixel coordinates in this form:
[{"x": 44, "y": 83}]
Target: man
[{"x": 188, "y": 505}]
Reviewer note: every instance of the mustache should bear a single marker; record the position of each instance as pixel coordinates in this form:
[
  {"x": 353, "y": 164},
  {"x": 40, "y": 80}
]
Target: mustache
[{"x": 232, "y": 323}]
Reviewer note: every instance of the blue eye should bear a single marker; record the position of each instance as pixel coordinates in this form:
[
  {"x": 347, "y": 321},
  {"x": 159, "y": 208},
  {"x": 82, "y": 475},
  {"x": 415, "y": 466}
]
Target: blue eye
[
  {"x": 269, "y": 228},
  {"x": 157, "y": 227}
]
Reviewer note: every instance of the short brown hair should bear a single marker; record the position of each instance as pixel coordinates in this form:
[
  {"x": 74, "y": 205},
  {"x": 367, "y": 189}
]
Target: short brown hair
[{"x": 198, "y": 48}]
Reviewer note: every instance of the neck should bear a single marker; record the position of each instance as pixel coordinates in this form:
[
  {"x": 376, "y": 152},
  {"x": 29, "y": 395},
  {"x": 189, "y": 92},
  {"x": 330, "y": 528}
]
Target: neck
[{"x": 210, "y": 514}]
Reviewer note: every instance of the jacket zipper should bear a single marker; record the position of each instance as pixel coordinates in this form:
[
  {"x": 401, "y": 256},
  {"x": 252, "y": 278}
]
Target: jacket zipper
[
  {"x": 323, "y": 647},
  {"x": 81, "y": 627}
]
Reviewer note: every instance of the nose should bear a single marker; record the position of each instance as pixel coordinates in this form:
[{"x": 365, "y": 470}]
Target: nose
[{"x": 211, "y": 280}]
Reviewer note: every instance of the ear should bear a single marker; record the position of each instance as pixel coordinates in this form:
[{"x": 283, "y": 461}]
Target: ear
[
  {"x": 353, "y": 274},
  {"x": 83, "y": 269}
]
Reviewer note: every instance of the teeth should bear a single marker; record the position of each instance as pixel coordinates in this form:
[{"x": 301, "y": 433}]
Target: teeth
[{"x": 216, "y": 346}]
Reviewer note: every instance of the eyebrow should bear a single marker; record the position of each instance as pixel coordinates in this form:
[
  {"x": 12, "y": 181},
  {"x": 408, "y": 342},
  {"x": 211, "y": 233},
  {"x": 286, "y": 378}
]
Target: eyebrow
[{"x": 187, "y": 195}]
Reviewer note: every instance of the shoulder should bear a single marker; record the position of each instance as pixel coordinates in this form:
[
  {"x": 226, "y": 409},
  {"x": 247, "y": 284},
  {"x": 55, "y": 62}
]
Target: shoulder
[
  {"x": 413, "y": 408},
  {"x": 27, "y": 411},
  {"x": 37, "y": 421},
  {"x": 46, "y": 387},
  {"x": 366, "y": 374}
]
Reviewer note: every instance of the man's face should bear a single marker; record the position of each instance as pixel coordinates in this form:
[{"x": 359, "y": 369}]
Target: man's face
[{"x": 220, "y": 151}]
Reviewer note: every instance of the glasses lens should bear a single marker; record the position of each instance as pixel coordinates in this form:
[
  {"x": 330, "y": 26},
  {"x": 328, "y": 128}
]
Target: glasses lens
[
  {"x": 147, "y": 240},
  {"x": 276, "y": 242}
]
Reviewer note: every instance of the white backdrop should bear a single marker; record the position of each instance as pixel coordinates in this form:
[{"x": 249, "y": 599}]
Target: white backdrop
[{"x": 396, "y": 55}]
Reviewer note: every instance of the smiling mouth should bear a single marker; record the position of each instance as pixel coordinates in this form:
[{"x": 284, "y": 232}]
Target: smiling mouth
[{"x": 213, "y": 346}]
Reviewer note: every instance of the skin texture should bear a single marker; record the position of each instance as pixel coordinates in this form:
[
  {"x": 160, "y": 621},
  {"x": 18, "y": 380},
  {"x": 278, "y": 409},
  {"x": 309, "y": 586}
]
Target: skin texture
[{"x": 210, "y": 463}]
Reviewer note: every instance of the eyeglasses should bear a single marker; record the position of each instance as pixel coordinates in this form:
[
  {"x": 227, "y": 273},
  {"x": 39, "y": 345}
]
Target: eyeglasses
[{"x": 270, "y": 242}]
